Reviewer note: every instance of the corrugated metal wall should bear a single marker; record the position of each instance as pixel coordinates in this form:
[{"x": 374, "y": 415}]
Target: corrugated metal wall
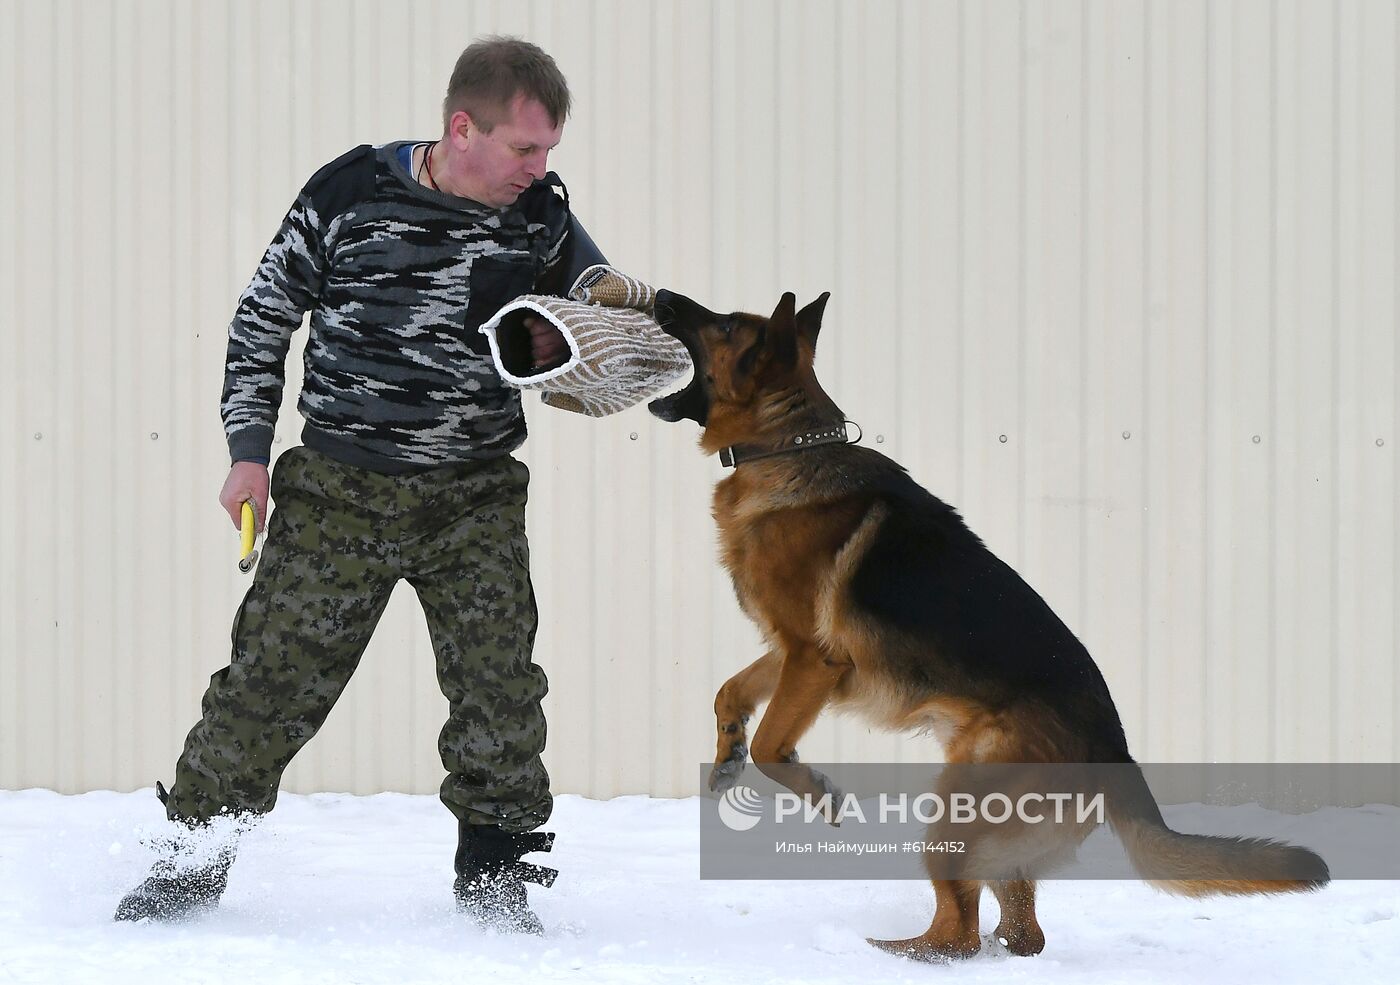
[{"x": 1117, "y": 278}]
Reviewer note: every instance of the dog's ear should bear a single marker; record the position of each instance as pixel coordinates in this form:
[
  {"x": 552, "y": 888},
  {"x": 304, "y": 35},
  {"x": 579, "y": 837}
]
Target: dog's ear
[
  {"x": 809, "y": 319},
  {"x": 787, "y": 304},
  {"x": 782, "y": 331}
]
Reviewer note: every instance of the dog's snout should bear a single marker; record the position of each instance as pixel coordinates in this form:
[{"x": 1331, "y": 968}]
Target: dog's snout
[{"x": 664, "y": 307}]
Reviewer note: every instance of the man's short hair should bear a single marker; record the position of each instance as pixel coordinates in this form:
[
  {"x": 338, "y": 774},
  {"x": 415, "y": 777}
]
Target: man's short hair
[{"x": 491, "y": 72}]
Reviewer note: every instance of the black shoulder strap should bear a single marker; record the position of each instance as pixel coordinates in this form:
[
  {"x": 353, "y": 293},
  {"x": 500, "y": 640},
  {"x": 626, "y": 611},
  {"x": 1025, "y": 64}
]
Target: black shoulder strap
[{"x": 347, "y": 180}]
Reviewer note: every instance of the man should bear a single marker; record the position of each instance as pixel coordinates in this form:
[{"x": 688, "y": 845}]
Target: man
[{"x": 398, "y": 253}]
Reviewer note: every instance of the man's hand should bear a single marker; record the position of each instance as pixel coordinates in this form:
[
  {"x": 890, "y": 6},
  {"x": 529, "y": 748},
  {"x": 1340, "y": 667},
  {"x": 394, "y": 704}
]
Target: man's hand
[
  {"x": 548, "y": 346},
  {"x": 246, "y": 480}
]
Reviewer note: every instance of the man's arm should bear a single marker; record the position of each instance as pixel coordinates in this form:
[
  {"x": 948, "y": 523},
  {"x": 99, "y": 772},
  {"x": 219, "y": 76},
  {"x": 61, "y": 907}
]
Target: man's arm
[
  {"x": 573, "y": 254},
  {"x": 285, "y": 286}
]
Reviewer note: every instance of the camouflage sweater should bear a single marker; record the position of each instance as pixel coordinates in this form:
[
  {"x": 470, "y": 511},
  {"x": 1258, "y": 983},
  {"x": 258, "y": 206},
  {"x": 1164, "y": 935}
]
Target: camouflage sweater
[{"x": 397, "y": 278}]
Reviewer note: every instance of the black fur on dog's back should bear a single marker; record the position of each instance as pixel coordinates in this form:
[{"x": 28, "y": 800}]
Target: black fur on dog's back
[{"x": 973, "y": 625}]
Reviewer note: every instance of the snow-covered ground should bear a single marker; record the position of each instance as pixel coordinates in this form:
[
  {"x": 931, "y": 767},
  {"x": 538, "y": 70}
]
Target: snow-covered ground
[{"x": 334, "y": 888}]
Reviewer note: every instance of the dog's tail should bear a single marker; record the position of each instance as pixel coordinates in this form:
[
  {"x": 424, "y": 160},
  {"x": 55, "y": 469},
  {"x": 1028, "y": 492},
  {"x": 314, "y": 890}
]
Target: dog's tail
[{"x": 1203, "y": 865}]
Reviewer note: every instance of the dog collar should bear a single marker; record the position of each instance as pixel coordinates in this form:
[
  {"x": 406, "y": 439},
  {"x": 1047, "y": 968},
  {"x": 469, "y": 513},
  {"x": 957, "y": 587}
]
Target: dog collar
[{"x": 736, "y": 455}]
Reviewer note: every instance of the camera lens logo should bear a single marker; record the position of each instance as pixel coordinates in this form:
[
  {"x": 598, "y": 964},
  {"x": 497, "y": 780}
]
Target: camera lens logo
[{"x": 740, "y": 808}]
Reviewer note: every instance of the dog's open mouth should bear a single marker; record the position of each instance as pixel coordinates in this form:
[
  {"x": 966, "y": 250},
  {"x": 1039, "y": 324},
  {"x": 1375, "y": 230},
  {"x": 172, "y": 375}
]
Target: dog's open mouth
[{"x": 689, "y": 401}]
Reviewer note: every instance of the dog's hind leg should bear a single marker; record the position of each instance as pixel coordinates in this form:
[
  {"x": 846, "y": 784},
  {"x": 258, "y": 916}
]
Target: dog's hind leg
[
  {"x": 805, "y": 685},
  {"x": 954, "y": 932},
  {"x": 1018, "y": 929},
  {"x": 734, "y": 705}
]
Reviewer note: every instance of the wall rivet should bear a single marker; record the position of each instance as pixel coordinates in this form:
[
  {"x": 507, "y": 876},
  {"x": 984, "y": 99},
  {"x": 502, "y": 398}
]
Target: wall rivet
[
  {"x": 38, "y": 436},
  {"x": 633, "y": 436},
  {"x": 879, "y": 439},
  {"x": 1256, "y": 439},
  {"x": 1380, "y": 442},
  {"x": 1127, "y": 435},
  {"x": 155, "y": 436},
  {"x": 1002, "y": 439}
]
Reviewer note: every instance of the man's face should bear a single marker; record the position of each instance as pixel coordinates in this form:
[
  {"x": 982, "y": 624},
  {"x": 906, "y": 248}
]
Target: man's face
[{"x": 498, "y": 166}]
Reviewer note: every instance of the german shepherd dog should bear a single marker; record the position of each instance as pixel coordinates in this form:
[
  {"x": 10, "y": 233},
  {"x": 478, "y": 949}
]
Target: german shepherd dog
[{"x": 875, "y": 597}]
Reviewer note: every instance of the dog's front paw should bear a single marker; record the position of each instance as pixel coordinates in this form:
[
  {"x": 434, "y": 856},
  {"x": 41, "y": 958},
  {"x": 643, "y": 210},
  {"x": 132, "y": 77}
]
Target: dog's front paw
[
  {"x": 829, "y": 796},
  {"x": 726, "y": 774}
]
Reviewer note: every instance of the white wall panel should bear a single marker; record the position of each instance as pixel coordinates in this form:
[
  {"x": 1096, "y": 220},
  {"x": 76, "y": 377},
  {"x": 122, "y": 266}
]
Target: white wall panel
[{"x": 1115, "y": 277}]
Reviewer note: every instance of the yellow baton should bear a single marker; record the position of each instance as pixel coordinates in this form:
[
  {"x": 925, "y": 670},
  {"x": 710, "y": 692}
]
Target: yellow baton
[{"x": 249, "y": 556}]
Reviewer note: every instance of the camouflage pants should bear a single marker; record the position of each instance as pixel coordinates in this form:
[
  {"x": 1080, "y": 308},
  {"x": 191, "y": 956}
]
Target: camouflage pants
[{"x": 337, "y": 542}]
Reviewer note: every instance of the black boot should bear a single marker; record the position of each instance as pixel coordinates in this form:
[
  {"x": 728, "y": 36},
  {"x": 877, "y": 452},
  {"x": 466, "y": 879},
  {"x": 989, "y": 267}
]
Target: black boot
[
  {"x": 178, "y": 885},
  {"x": 169, "y": 894},
  {"x": 491, "y": 878}
]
